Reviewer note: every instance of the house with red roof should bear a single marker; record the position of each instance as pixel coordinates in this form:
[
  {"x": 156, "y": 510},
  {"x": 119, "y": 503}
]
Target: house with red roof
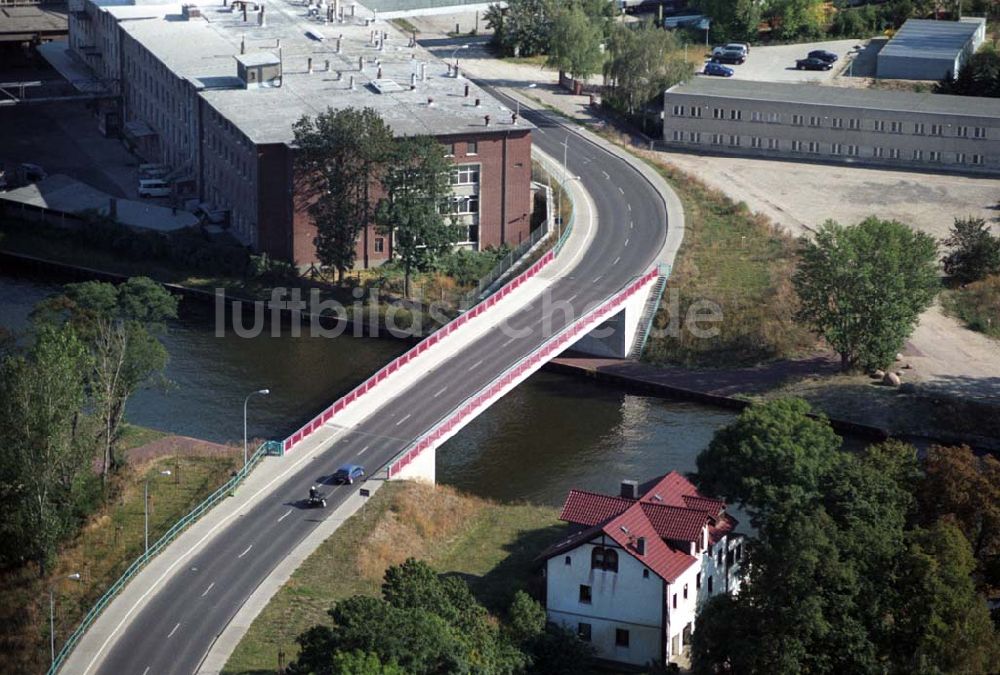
[{"x": 633, "y": 572}]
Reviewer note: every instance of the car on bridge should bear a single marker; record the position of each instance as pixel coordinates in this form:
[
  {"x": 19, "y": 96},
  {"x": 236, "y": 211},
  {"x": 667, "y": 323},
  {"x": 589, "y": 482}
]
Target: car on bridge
[{"x": 347, "y": 474}]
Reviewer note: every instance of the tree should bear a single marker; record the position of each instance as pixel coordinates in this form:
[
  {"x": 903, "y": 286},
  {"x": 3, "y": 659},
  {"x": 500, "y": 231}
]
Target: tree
[
  {"x": 731, "y": 19},
  {"x": 362, "y": 663},
  {"x": 45, "y": 460},
  {"x": 575, "y": 43},
  {"x": 522, "y": 29},
  {"x": 975, "y": 252},
  {"x": 774, "y": 454},
  {"x": 643, "y": 62},
  {"x": 980, "y": 76},
  {"x": 795, "y": 19},
  {"x": 864, "y": 287},
  {"x": 417, "y": 185},
  {"x": 119, "y": 325},
  {"x": 341, "y": 155},
  {"x": 525, "y": 618}
]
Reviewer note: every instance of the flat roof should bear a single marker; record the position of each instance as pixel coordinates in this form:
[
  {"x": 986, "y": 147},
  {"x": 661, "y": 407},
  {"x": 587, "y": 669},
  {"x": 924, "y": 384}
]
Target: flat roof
[
  {"x": 61, "y": 193},
  {"x": 853, "y": 97},
  {"x": 204, "y": 49},
  {"x": 929, "y": 39}
]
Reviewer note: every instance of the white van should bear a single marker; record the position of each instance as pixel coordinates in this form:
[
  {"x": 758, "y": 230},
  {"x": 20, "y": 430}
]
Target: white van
[{"x": 154, "y": 187}]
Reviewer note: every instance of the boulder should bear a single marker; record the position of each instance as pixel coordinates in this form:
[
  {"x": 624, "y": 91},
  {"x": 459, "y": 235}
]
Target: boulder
[
  {"x": 899, "y": 357},
  {"x": 891, "y": 379},
  {"x": 878, "y": 374}
]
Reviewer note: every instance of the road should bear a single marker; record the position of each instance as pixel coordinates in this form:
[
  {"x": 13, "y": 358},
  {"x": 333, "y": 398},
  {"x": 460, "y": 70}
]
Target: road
[{"x": 174, "y": 630}]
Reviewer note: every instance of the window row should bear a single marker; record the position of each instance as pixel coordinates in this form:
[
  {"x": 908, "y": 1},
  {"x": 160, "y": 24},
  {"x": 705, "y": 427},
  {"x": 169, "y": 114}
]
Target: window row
[
  {"x": 852, "y": 123},
  {"x": 584, "y": 632},
  {"x": 471, "y": 148},
  {"x": 818, "y": 148}
]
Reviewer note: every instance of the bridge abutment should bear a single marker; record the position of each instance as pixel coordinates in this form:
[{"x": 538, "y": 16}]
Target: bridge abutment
[
  {"x": 421, "y": 468},
  {"x": 616, "y": 336}
]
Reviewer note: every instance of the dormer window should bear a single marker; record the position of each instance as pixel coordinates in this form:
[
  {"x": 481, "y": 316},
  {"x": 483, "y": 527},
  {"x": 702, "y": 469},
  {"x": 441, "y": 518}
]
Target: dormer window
[{"x": 604, "y": 558}]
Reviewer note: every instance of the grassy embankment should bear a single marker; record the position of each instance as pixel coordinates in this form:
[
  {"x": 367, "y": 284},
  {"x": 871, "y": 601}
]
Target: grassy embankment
[
  {"x": 108, "y": 541},
  {"x": 977, "y": 305},
  {"x": 490, "y": 545}
]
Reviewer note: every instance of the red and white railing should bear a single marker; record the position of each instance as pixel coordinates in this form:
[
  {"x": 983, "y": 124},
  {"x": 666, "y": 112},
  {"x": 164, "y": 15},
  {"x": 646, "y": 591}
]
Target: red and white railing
[
  {"x": 341, "y": 404},
  {"x": 460, "y": 416}
]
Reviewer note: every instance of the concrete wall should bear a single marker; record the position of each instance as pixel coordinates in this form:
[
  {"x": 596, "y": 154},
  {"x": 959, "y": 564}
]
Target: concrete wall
[
  {"x": 915, "y": 68},
  {"x": 623, "y": 599},
  {"x": 810, "y": 132},
  {"x": 615, "y": 336}
]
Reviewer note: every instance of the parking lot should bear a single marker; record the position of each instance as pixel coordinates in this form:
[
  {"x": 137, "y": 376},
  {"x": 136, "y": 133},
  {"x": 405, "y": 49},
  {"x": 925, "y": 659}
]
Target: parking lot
[{"x": 777, "y": 64}]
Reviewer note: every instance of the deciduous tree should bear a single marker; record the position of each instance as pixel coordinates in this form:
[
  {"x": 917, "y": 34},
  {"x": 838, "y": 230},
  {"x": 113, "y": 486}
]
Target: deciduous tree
[
  {"x": 975, "y": 251},
  {"x": 864, "y": 287},
  {"x": 575, "y": 43}
]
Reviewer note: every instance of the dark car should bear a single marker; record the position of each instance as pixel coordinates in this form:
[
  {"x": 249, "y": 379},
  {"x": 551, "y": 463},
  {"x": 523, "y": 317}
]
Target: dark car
[
  {"x": 822, "y": 55},
  {"x": 712, "y": 68},
  {"x": 812, "y": 64},
  {"x": 729, "y": 56},
  {"x": 349, "y": 473}
]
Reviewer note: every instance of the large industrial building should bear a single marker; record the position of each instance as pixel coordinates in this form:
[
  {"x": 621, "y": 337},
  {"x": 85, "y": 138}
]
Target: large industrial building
[
  {"x": 923, "y": 49},
  {"x": 809, "y": 122},
  {"x": 213, "y": 91}
]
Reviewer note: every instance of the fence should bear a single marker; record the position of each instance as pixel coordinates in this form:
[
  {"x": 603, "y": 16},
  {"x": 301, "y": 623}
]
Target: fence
[
  {"x": 397, "y": 363},
  {"x": 267, "y": 448},
  {"x": 558, "y": 342}
]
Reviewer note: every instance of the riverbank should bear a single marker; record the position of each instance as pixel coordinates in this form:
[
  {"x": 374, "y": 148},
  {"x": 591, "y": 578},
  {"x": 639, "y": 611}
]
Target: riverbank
[
  {"x": 107, "y": 541},
  {"x": 490, "y": 545}
]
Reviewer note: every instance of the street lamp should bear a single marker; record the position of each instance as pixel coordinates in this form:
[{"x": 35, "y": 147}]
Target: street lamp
[
  {"x": 145, "y": 509},
  {"x": 262, "y": 392},
  {"x": 454, "y": 54},
  {"x": 52, "y": 615}
]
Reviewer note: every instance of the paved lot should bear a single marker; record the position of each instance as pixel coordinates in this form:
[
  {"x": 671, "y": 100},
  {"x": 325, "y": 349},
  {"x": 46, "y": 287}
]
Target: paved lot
[{"x": 777, "y": 64}]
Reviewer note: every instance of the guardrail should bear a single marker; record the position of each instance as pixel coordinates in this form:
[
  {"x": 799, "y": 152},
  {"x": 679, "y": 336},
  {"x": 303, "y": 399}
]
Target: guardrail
[
  {"x": 397, "y": 363},
  {"x": 557, "y": 342},
  {"x": 267, "y": 448}
]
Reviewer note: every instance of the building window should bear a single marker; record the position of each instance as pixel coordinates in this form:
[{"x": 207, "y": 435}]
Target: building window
[
  {"x": 852, "y": 150},
  {"x": 678, "y": 135},
  {"x": 796, "y": 146},
  {"x": 918, "y": 155},
  {"x": 449, "y": 150},
  {"x": 838, "y": 122},
  {"x": 697, "y": 581},
  {"x": 774, "y": 117},
  {"x": 685, "y": 591},
  {"x": 756, "y": 142},
  {"x": 678, "y": 111},
  {"x": 879, "y": 125},
  {"x": 583, "y": 631},
  {"x": 797, "y": 120},
  {"x": 585, "y": 594},
  {"x": 465, "y": 174},
  {"x": 471, "y": 148},
  {"x": 977, "y": 159},
  {"x": 739, "y": 551},
  {"x": 772, "y": 144},
  {"x": 979, "y": 132},
  {"x": 918, "y": 128},
  {"x": 755, "y": 116},
  {"x": 813, "y": 146},
  {"x": 813, "y": 121},
  {"x": 896, "y": 127},
  {"x": 719, "y": 558},
  {"x": 960, "y": 158},
  {"x": 568, "y": 561},
  {"x": 735, "y": 114},
  {"x": 710, "y": 585},
  {"x": 695, "y": 111},
  {"x": 675, "y": 601},
  {"x": 936, "y": 129},
  {"x": 854, "y": 123},
  {"x": 645, "y": 574},
  {"x": 379, "y": 244},
  {"x": 718, "y": 113},
  {"x": 879, "y": 152},
  {"x": 717, "y": 139},
  {"x": 695, "y": 137},
  {"x": 734, "y": 140},
  {"x": 893, "y": 153},
  {"x": 962, "y": 131},
  {"x": 621, "y": 637},
  {"x": 836, "y": 149},
  {"x": 602, "y": 558},
  {"x": 935, "y": 156}
]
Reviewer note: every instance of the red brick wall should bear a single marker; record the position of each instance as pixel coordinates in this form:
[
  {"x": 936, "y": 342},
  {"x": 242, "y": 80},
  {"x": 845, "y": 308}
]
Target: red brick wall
[
  {"x": 504, "y": 159},
  {"x": 274, "y": 213}
]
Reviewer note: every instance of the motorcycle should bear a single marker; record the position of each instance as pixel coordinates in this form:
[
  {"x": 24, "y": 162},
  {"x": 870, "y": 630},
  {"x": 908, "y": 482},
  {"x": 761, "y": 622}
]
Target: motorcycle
[{"x": 316, "y": 498}]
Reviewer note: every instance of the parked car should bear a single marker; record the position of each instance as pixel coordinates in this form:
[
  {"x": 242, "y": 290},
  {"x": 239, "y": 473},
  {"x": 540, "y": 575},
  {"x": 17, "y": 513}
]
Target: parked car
[
  {"x": 717, "y": 69},
  {"x": 154, "y": 187},
  {"x": 813, "y": 64},
  {"x": 730, "y": 56},
  {"x": 740, "y": 46},
  {"x": 347, "y": 474},
  {"x": 822, "y": 55}
]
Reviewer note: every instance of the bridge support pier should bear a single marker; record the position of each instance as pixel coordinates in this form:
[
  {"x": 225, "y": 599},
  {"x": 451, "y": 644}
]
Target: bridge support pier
[
  {"x": 422, "y": 468},
  {"x": 618, "y": 335}
]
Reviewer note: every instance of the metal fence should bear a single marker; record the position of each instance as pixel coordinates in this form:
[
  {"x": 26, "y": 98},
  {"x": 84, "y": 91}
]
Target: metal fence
[{"x": 267, "y": 448}]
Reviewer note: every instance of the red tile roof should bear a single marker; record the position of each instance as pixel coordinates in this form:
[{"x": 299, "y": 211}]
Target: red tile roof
[{"x": 671, "y": 508}]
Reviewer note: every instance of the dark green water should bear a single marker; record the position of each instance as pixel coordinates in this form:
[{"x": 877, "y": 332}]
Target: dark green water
[{"x": 551, "y": 434}]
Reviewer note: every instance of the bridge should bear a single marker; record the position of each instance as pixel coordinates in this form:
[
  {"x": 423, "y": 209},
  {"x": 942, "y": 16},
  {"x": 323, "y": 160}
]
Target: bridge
[{"x": 168, "y": 618}]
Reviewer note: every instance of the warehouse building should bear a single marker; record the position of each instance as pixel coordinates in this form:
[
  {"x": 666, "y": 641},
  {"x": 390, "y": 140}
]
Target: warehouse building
[
  {"x": 924, "y": 49},
  {"x": 809, "y": 122},
  {"x": 213, "y": 91}
]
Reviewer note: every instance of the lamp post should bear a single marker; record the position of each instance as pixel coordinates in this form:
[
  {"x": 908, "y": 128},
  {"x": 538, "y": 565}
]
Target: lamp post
[
  {"x": 454, "y": 56},
  {"x": 52, "y": 615},
  {"x": 145, "y": 509},
  {"x": 262, "y": 392}
]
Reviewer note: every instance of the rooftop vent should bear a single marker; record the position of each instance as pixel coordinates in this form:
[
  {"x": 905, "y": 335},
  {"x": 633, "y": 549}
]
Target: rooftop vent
[
  {"x": 630, "y": 489},
  {"x": 190, "y": 11},
  {"x": 386, "y": 86},
  {"x": 640, "y": 545}
]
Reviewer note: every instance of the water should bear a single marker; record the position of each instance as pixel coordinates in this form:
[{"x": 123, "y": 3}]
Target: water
[{"x": 552, "y": 433}]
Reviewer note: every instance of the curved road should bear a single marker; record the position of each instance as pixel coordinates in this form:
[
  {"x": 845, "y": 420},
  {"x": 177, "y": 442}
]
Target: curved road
[{"x": 175, "y": 629}]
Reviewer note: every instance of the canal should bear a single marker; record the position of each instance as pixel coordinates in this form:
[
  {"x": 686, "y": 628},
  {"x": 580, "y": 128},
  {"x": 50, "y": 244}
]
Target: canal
[{"x": 552, "y": 433}]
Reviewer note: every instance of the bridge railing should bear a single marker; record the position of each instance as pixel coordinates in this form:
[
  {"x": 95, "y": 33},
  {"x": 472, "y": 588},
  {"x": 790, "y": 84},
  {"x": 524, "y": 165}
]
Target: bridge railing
[
  {"x": 267, "y": 448},
  {"x": 342, "y": 403},
  {"x": 558, "y": 342}
]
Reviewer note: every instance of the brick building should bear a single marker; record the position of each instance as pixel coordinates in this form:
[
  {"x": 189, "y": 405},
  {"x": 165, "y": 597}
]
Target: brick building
[{"x": 212, "y": 91}]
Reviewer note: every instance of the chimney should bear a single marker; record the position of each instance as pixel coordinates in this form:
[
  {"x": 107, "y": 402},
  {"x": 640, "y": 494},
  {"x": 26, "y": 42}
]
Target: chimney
[
  {"x": 243, "y": 45},
  {"x": 379, "y": 75},
  {"x": 353, "y": 6},
  {"x": 361, "y": 64},
  {"x": 430, "y": 102},
  {"x": 260, "y": 16},
  {"x": 630, "y": 489},
  {"x": 381, "y": 45},
  {"x": 328, "y": 65},
  {"x": 640, "y": 545},
  {"x": 277, "y": 43},
  {"x": 309, "y": 65},
  {"x": 340, "y": 38},
  {"x": 371, "y": 38},
  {"x": 466, "y": 91},
  {"x": 487, "y": 118},
  {"x": 513, "y": 118},
  {"x": 352, "y": 83},
  {"x": 423, "y": 72},
  {"x": 413, "y": 81},
  {"x": 478, "y": 102},
  {"x": 244, "y": 11},
  {"x": 449, "y": 69}
]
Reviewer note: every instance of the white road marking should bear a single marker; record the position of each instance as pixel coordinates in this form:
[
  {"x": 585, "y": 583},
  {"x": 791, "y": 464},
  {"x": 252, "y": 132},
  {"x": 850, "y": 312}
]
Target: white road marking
[
  {"x": 287, "y": 513},
  {"x": 596, "y": 279},
  {"x": 507, "y": 342},
  {"x": 363, "y": 450},
  {"x": 208, "y": 589},
  {"x": 572, "y": 297},
  {"x": 245, "y": 552},
  {"x": 441, "y": 391},
  {"x": 171, "y": 634},
  {"x": 629, "y": 206},
  {"x": 626, "y": 240},
  {"x": 403, "y": 419},
  {"x": 475, "y": 365},
  {"x": 631, "y": 224},
  {"x": 145, "y": 671},
  {"x": 606, "y": 175},
  {"x": 616, "y": 260},
  {"x": 621, "y": 189}
]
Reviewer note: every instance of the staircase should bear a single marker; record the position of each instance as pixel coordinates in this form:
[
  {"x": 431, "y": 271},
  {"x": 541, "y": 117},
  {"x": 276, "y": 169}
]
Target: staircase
[{"x": 648, "y": 316}]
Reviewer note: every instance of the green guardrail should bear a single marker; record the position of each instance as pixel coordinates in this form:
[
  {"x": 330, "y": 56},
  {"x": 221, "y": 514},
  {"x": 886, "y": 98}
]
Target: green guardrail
[
  {"x": 267, "y": 448},
  {"x": 565, "y": 234}
]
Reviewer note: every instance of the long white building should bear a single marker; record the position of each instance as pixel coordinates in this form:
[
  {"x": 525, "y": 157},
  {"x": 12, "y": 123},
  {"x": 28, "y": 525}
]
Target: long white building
[{"x": 633, "y": 575}]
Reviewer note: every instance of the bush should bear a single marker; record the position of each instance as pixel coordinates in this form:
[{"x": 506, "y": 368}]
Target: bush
[{"x": 975, "y": 251}]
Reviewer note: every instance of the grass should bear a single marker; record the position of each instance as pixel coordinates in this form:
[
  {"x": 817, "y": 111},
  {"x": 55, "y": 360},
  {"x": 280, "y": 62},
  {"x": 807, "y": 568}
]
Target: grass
[
  {"x": 738, "y": 261},
  {"x": 492, "y": 546},
  {"x": 107, "y": 542},
  {"x": 404, "y": 25},
  {"x": 977, "y": 305},
  {"x": 536, "y": 60}
]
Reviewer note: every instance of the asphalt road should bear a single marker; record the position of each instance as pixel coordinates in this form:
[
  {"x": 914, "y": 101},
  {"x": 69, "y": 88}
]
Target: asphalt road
[{"x": 176, "y": 628}]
